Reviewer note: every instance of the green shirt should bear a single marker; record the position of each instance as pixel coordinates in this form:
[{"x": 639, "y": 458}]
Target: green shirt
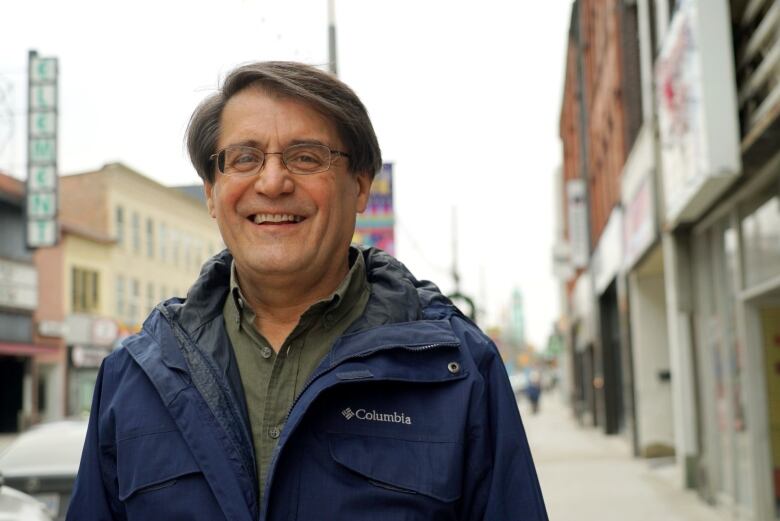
[{"x": 272, "y": 381}]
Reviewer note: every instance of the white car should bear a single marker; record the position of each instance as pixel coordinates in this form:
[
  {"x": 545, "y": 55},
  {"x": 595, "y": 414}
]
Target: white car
[
  {"x": 43, "y": 462},
  {"x": 15, "y": 506}
]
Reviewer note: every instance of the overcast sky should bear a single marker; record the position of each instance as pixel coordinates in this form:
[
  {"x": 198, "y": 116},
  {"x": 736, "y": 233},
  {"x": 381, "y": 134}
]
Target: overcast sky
[{"x": 464, "y": 96}]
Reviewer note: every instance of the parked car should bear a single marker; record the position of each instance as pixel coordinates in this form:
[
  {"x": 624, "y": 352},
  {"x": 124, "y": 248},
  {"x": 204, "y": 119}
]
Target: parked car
[
  {"x": 43, "y": 463},
  {"x": 16, "y": 506}
]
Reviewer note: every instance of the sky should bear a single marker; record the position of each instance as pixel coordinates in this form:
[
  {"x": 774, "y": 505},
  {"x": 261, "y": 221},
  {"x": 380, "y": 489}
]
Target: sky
[{"x": 464, "y": 96}]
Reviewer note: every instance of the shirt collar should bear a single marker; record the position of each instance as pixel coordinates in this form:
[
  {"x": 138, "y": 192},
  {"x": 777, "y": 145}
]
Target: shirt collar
[{"x": 332, "y": 307}]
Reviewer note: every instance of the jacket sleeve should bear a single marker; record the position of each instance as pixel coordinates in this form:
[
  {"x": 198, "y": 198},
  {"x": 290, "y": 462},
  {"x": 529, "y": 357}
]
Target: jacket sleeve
[
  {"x": 500, "y": 481},
  {"x": 95, "y": 492}
]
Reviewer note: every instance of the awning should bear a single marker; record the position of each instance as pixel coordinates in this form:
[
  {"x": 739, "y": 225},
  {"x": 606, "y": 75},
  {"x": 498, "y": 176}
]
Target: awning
[{"x": 9, "y": 348}]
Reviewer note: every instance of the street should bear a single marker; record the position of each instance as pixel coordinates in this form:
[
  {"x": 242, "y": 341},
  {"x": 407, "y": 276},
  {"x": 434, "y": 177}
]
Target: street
[{"x": 586, "y": 475}]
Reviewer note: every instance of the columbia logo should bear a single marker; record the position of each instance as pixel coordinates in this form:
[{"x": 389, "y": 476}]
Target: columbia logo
[{"x": 373, "y": 415}]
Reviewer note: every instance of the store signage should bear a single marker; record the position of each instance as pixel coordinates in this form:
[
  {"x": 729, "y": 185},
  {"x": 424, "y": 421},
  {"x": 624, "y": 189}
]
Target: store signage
[
  {"x": 376, "y": 226},
  {"x": 577, "y": 207},
  {"x": 697, "y": 109},
  {"x": 41, "y": 203},
  {"x": 18, "y": 285},
  {"x": 52, "y": 328},
  {"x": 639, "y": 228},
  {"x": 85, "y": 356},
  {"x": 91, "y": 330},
  {"x": 608, "y": 257},
  {"x": 583, "y": 315}
]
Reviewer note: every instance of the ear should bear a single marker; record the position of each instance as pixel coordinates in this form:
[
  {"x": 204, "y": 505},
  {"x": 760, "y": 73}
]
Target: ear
[
  {"x": 208, "y": 190},
  {"x": 363, "y": 187}
]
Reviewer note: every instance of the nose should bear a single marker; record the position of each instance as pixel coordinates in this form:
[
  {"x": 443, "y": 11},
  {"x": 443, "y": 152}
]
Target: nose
[{"x": 274, "y": 179}]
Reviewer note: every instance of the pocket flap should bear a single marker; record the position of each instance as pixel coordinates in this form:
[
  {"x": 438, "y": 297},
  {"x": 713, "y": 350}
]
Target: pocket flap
[
  {"x": 426, "y": 467},
  {"x": 151, "y": 459}
]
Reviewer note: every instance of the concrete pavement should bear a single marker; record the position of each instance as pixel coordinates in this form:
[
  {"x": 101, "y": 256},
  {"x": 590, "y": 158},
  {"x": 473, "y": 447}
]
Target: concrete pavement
[{"x": 586, "y": 475}]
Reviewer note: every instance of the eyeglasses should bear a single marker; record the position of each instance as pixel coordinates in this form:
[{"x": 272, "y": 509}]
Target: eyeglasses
[{"x": 301, "y": 159}]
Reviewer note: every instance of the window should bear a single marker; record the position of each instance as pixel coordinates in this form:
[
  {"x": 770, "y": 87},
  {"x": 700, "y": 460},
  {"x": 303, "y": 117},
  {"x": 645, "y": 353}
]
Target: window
[
  {"x": 136, "y": 225},
  {"x": 761, "y": 238},
  {"x": 149, "y": 238},
  {"x": 120, "y": 225},
  {"x": 174, "y": 236},
  {"x": 84, "y": 290},
  {"x": 120, "y": 296},
  {"x": 132, "y": 308},
  {"x": 163, "y": 238}
]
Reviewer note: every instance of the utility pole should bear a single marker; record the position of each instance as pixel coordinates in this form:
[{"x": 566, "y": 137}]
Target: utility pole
[
  {"x": 332, "y": 58},
  {"x": 456, "y": 296}
]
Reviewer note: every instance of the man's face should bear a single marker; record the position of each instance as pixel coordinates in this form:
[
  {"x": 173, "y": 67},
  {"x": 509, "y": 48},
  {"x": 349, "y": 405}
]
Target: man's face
[{"x": 314, "y": 245}]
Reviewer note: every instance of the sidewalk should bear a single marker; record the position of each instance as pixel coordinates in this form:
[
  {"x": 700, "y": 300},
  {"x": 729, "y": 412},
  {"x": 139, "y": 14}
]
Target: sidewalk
[{"x": 586, "y": 475}]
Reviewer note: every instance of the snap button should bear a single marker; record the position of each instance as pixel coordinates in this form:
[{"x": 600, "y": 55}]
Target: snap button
[
  {"x": 266, "y": 352},
  {"x": 274, "y": 432},
  {"x": 454, "y": 367}
]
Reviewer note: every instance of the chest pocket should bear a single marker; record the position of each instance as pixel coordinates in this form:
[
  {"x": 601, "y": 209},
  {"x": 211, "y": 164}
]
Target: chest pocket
[
  {"x": 158, "y": 476},
  {"x": 430, "y": 468}
]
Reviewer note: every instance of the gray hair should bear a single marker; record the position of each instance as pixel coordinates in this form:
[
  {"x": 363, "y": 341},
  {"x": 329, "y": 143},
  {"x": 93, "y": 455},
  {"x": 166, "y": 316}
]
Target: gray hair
[{"x": 324, "y": 93}]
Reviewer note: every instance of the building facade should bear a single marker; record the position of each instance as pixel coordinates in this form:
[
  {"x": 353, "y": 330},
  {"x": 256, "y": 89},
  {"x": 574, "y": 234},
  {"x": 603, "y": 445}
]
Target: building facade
[
  {"x": 19, "y": 354},
  {"x": 127, "y": 243},
  {"x": 698, "y": 261}
]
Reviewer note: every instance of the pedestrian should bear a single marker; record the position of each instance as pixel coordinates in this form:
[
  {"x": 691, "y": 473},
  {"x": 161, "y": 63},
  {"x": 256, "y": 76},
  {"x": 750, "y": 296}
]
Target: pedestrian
[
  {"x": 534, "y": 391},
  {"x": 301, "y": 378}
]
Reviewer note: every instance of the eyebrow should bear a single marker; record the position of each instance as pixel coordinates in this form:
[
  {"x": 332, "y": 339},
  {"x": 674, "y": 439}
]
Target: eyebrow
[{"x": 256, "y": 144}]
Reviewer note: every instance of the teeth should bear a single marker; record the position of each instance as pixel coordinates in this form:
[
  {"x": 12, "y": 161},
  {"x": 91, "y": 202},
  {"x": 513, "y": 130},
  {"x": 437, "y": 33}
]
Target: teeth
[{"x": 261, "y": 218}]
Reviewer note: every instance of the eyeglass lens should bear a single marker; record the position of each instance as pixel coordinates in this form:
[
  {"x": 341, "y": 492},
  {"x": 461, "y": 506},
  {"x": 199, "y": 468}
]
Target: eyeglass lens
[{"x": 299, "y": 159}]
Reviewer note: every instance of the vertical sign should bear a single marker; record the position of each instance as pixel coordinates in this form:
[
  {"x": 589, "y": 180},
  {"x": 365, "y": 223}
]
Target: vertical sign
[
  {"x": 578, "y": 222},
  {"x": 41, "y": 204},
  {"x": 376, "y": 226}
]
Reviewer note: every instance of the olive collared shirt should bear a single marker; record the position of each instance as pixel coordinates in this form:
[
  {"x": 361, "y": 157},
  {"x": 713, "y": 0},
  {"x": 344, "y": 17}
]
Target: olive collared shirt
[{"x": 272, "y": 381}]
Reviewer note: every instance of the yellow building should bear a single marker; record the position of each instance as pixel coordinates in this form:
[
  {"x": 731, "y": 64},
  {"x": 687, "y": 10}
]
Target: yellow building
[{"x": 127, "y": 243}]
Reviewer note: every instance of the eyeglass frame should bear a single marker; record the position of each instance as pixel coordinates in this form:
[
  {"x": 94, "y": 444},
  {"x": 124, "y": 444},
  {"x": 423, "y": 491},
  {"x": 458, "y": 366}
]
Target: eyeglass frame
[{"x": 333, "y": 155}]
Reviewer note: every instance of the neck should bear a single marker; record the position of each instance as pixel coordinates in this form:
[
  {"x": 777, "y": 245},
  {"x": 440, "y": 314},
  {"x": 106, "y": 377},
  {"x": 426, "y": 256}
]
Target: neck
[{"x": 279, "y": 300}]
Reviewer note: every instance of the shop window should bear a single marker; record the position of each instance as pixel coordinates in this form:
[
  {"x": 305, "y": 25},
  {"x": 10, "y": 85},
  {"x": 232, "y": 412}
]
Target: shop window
[
  {"x": 761, "y": 239},
  {"x": 84, "y": 290}
]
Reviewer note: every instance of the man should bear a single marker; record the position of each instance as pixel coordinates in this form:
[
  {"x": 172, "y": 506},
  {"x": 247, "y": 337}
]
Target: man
[{"x": 301, "y": 378}]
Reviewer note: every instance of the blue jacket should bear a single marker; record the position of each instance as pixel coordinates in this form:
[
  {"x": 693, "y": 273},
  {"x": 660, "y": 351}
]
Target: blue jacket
[{"x": 409, "y": 417}]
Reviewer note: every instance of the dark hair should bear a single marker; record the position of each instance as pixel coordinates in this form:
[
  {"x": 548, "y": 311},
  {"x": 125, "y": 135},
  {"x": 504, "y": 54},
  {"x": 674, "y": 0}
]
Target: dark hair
[{"x": 319, "y": 90}]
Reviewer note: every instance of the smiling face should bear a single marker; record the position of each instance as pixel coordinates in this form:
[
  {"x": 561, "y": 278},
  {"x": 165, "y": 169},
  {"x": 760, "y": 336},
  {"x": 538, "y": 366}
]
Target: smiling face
[{"x": 278, "y": 224}]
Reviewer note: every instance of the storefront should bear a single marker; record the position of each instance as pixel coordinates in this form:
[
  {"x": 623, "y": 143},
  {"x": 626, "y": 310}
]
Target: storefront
[
  {"x": 18, "y": 377},
  {"x": 737, "y": 321},
  {"x": 89, "y": 339},
  {"x": 612, "y": 354},
  {"x": 646, "y": 287},
  {"x": 582, "y": 337}
]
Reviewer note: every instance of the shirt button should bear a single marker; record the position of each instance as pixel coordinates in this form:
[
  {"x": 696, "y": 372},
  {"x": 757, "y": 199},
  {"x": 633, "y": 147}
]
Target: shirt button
[
  {"x": 273, "y": 432},
  {"x": 240, "y": 302},
  {"x": 266, "y": 352}
]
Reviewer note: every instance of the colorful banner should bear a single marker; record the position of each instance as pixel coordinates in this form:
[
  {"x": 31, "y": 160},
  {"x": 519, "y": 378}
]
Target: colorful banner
[{"x": 376, "y": 226}]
